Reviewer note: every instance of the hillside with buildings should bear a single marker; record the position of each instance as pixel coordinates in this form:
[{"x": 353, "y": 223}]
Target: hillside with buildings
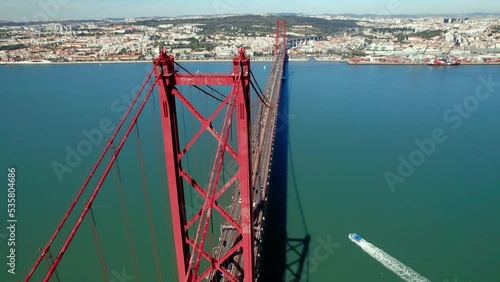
[{"x": 328, "y": 37}]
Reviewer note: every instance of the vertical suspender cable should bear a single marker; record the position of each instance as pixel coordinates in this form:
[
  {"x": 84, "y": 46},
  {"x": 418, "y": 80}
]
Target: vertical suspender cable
[
  {"x": 50, "y": 260},
  {"x": 126, "y": 221},
  {"x": 147, "y": 202},
  {"x": 196, "y": 169},
  {"x": 214, "y": 176},
  {"x": 206, "y": 166},
  {"x": 161, "y": 173},
  {"x": 82, "y": 189},
  {"x": 98, "y": 245},
  {"x": 92, "y": 198},
  {"x": 187, "y": 157}
]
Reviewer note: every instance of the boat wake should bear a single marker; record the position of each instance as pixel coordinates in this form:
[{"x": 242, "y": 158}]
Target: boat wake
[{"x": 388, "y": 261}]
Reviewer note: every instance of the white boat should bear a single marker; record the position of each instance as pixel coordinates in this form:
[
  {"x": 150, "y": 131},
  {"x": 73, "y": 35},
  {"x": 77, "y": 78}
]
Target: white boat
[{"x": 355, "y": 237}]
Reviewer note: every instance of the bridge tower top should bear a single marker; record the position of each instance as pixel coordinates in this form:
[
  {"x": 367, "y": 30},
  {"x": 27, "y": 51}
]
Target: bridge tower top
[
  {"x": 227, "y": 194},
  {"x": 280, "y": 34}
]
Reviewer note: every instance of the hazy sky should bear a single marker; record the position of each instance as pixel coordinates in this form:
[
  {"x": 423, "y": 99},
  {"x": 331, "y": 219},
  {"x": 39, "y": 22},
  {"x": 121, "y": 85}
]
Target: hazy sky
[{"x": 90, "y": 9}]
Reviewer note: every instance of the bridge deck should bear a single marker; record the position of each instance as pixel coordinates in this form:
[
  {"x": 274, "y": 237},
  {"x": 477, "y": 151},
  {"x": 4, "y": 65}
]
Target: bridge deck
[{"x": 263, "y": 132}]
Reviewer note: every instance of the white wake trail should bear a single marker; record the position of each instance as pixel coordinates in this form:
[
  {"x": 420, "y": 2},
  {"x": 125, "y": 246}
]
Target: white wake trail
[{"x": 390, "y": 263}]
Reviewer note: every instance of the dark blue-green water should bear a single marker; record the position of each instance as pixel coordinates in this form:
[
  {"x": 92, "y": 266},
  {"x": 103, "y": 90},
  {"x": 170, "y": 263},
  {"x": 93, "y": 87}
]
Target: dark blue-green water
[{"x": 348, "y": 127}]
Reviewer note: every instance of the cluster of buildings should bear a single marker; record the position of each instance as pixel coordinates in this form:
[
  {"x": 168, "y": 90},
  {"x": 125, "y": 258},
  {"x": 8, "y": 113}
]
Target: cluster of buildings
[
  {"x": 414, "y": 40},
  {"x": 98, "y": 41},
  {"x": 377, "y": 39}
]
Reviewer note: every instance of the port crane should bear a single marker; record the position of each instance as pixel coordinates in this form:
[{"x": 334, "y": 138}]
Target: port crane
[
  {"x": 446, "y": 56},
  {"x": 455, "y": 44},
  {"x": 419, "y": 56},
  {"x": 423, "y": 53},
  {"x": 444, "y": 61},
  {"x": 427, "y": 47}
]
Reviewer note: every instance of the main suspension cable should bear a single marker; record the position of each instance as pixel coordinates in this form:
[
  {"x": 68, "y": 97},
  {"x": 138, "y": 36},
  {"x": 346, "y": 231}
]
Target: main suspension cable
[
  {"x": 208, "y": 86},
  {"x": 99, "y": 185},
  {"x": 266, "y": 103},
  {"x": 85, "y": 184}
]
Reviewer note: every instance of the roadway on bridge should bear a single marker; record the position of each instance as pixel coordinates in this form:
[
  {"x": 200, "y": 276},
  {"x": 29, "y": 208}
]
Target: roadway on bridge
[{"x": 262, "y": 141}]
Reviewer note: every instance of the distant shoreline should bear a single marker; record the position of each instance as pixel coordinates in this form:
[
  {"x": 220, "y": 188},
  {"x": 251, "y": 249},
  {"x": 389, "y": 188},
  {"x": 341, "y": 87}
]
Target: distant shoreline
[
  {"x": 45, "y": 62},
  {"x": 103, "y": 62},
  {"x": 319, "y": 60},
  {"x": 419, "y": 64}
]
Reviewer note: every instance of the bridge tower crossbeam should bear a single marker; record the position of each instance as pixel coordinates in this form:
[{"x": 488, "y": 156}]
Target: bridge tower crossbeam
[{"x": 190, "y": 248}]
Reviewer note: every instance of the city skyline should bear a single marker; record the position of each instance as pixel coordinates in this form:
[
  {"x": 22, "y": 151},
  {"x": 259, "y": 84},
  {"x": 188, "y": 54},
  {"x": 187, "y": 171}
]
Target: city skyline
[{"x": 48, "y": 10}]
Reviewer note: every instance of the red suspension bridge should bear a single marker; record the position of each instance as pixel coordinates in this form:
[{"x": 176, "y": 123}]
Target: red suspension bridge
[{"x": 233, "y": 188}]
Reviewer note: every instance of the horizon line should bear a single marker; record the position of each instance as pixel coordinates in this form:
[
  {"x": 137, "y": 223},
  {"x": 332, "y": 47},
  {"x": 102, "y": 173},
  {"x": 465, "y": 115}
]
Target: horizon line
[{"x": 263, "y": 14}]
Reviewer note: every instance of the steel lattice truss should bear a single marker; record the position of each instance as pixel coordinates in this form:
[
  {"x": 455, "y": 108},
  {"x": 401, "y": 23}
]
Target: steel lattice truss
[
  {"x": 190, "y": 248},
  {"x": 194, "y": 262}
]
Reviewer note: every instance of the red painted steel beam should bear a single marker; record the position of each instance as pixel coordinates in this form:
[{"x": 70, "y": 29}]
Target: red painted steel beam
[
  {"x": 242, "y": 64},
  {"x": 284, "y": 34},
  {"x": 205, "y": 123},
  {"x": 277, "y": 38},
  {"x": 212, "y": 188},
  {"x": 87, "y": 180},
  {"x": 239, "y": 103},
  {"x": 165, "y": 71},
  {"x": 204, "y": 79},
  {"x": 97, "y": 189},
  {"x": 280, "y": 26}
]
